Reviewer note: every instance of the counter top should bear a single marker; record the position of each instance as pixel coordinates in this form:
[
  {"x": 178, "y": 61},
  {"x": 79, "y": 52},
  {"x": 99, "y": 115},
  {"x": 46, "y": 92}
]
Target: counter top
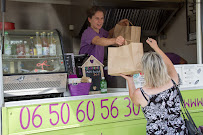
[
  {"x": 112, "y": 93},
  {"x": 61, "y": 99}
]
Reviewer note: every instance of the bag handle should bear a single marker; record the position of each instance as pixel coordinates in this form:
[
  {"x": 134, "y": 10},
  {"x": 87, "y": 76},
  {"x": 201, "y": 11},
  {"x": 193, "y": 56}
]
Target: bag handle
[
  {"x": 185, "y": 109},
  {"x": 126, "y": 41},
  {"x": 130, "y": 23}
]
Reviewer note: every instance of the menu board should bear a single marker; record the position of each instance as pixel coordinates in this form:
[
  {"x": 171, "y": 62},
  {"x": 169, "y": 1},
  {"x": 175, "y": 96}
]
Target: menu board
[{"x": 94, "y": 73}]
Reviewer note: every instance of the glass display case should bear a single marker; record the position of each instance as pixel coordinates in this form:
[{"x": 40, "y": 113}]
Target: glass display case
[{"x": 33, "y": 63}]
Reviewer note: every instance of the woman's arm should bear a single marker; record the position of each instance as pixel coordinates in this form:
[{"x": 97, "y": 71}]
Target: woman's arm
[
  {"x": 108, "y": 41},
  {"x": 170, "y": 67},
  {"x": 132, "y": 89},
  {"x": 111, "y": 41}
]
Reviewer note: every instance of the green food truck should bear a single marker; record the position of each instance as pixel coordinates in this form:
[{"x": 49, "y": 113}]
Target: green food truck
[{"x": 34, "y": 95}]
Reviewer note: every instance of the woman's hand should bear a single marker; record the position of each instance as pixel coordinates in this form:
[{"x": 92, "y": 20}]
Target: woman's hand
[
  {"x": 120, "y": 40},
  {"x": 124, "y": 22},
  {"x": 152, "y": 43},
  {"x": 127, "y": 77}
]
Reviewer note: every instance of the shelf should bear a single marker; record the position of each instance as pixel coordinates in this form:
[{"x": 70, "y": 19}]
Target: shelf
[
  {"x": 64, "y": 2},
  {"x": 15, "y": 57}
]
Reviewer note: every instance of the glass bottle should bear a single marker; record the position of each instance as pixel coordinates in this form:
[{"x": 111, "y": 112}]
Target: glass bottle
[
  {"x": 41, "y": 35},
  {"x": 20, "y": 50},
  {"x": 27, "y": 49},
  {"x": 103, "y": 85},
  {"x": 13, "y": 48},
  {"x": 48, "y": 38},
  {"x": 45, "y": 45},
  {"x": 38, "y": 44},
  {"x": 52, "y": 46},
  {"x": 7, "y": 45},
  {"x": 33, "y": 50}
]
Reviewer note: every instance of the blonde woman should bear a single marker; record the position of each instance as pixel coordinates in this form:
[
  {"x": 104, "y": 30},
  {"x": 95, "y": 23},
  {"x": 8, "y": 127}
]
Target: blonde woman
[{"x": 158, "y": 98}]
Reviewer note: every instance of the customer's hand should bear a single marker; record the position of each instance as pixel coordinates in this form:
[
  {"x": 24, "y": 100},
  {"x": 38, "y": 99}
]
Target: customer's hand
[
  {"x": 152, "y": 43},
  {"x": 127, "y": 77},
  {"x": 124, "y": 22},
  {"x": 120, "y": 40}
]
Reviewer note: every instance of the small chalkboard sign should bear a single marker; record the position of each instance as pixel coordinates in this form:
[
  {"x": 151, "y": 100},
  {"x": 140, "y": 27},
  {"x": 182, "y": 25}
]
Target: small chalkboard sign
[
  {"x": 70, "y": 63},
  {"x": 94, "y": 73},
  {"x": 94, "y": 69}
]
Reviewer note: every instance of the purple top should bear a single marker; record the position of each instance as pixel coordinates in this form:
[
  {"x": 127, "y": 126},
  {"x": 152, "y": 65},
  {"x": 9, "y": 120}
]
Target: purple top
[
  {"x": 174, "y": 58},
  {"x": 86, "y": 45}
]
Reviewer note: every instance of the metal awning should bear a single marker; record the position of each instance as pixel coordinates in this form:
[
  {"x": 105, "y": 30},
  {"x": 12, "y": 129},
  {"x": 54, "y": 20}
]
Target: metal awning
[
  {"x": 152, "y": 21},
  {"x": 152, "y": 16}
]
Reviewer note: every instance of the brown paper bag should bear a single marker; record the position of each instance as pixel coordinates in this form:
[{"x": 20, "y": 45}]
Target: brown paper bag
[
  {"x": 125, "y": 59},
  {"x": 130, "y": 33}
]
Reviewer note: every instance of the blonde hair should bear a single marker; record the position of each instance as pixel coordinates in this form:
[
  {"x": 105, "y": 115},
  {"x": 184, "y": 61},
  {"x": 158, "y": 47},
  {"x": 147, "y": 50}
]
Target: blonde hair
[{"x": 155, "y": 70}]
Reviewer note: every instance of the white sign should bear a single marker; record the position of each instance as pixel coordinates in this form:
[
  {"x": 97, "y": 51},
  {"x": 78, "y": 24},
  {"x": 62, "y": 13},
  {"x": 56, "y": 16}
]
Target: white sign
[{"x": 191, "y": 75}]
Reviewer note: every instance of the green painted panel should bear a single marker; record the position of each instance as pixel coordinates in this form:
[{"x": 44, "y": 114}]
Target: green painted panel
[
  {"x": 5, "y": 117},
  {"x": 106, "y": 116},
  {"x": 118, "y": 128},
  {"x": 69, "y": 114}
]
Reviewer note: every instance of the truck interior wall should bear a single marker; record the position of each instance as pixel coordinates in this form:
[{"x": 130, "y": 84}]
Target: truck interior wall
[
  {"x": 78, "y": 17},
  {"x": 176, "y": 38},
  {"x": 43, "y": 16}
]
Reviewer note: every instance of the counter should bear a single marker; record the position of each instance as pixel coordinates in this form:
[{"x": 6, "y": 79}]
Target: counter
[{"x": 101, "y": 114}]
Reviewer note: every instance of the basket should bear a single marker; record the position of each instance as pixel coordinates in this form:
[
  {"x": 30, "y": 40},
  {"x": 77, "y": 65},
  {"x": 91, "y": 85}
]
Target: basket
[{"x": 77, "y": 89}]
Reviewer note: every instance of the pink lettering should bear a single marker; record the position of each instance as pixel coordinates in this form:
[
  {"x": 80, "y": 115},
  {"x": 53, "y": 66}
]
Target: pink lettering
[
  {"x": 200, "y": 102},
  {"x": 196, "y": 102},
  {"x": 187, "y": 103},
  {"x": 193, "y": 102}
]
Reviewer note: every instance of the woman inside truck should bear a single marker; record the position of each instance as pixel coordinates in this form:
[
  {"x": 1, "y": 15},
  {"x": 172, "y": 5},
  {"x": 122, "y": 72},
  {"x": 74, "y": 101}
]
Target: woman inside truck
[
  {"x": 94, "y": 38},
  {"x": 158, "y": 98}
]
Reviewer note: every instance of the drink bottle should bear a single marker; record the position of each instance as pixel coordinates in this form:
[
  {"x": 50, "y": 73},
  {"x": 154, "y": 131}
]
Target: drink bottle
[
  {"x": 38, "y": 44},
  {"x": 103, "y": 85},
  {"x": 48, "y": 39},
  {"x": 45, "y": 45},
  {"x": 33, "y": 50},
  {"x": 27, "y": 49},
  {"x": 7, "y": 45},
  {"x": 52, "y": 46},
  {"x": 20, "y": 50},
  {"x": 13, "y": 48}
]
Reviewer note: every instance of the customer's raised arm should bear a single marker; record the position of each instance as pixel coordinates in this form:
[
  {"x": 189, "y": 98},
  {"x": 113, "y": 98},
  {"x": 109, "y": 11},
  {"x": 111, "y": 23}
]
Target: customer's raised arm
[{"x": 170, "y": 67}]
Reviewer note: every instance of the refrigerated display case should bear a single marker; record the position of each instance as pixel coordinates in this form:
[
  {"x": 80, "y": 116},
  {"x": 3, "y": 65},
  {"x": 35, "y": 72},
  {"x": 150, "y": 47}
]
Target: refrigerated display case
[{"x": 33, "y": 63}]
